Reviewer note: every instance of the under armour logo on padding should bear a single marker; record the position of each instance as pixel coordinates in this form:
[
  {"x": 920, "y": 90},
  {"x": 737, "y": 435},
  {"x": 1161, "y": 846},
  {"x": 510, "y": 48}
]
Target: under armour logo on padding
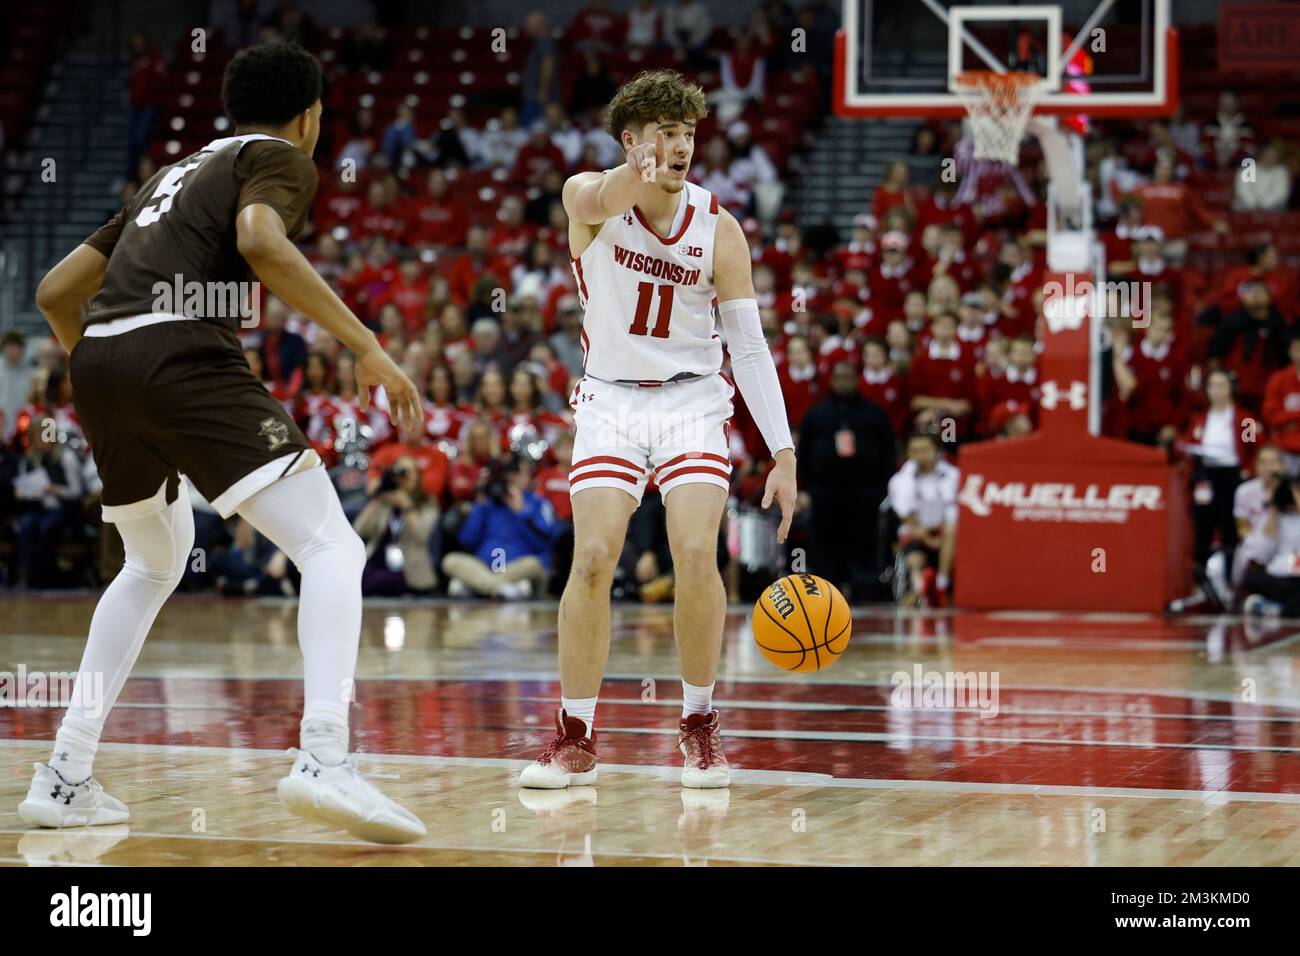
[{"x": 1076, "y": 395}]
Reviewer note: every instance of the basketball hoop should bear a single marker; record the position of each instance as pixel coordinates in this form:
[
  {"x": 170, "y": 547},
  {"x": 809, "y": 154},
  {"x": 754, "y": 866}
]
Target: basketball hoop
[{"x": 999, "y": 105}]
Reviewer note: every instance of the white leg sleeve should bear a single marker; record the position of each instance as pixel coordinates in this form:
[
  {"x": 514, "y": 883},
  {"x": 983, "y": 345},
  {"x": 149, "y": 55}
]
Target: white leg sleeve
[
  {"x": 157, "y": 547},
  {"x": 302, "y": 516}
]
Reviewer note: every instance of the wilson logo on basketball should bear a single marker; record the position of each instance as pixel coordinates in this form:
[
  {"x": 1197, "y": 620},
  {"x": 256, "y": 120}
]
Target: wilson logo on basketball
[{"x": 781, "y": 602}]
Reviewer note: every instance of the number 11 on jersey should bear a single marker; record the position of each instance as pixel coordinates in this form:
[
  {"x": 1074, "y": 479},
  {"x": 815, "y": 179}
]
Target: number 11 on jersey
[{"x": 644, "y": 293}]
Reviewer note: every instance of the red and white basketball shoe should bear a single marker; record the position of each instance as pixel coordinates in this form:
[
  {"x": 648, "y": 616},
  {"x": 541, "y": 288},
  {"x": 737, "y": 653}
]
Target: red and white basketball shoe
[
  {"x": 568, "y": 761},
  {"x": 700, "y": 742}
]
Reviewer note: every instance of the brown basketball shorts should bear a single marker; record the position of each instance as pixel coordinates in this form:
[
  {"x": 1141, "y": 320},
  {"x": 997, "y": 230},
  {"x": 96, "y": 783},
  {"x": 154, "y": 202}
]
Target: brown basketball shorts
[{"x": 178, "y": 397}]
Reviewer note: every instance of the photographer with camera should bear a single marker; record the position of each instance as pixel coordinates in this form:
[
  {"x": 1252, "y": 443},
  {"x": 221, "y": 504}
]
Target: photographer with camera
[
  {"x": 506, "y": 539},
  {"x": 396, "y": 525}
]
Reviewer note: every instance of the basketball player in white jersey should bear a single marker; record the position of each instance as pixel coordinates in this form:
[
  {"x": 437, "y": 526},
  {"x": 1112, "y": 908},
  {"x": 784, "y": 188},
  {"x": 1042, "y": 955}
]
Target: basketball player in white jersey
[{"x": 654, "y": 256}]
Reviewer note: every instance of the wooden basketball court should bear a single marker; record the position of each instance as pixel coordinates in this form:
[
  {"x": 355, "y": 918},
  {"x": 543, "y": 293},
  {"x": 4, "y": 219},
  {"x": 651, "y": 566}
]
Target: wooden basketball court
[{"x": 1117, "y": 740}]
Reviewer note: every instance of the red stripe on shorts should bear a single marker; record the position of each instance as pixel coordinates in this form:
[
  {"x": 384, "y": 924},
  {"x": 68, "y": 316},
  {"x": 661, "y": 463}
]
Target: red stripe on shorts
[
  {"x": 695, "y": 470},
  {"x": 603, "y": 474},
  {"x": 606, "y": 460},
  {"x": 695, "y": 456}
]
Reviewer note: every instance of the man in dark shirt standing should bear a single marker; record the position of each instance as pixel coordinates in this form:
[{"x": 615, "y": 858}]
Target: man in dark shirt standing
[
  {"x": 163, "y": 389},
  {"x": 846, "y": 457}
]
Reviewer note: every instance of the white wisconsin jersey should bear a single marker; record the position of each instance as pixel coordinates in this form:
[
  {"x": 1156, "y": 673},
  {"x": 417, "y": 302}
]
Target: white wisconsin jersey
[{"x": 649, "y": 300}]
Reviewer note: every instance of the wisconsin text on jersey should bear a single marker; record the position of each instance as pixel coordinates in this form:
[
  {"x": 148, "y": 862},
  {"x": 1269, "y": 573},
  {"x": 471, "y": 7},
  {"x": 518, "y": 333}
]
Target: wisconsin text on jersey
[{"x": 657, "y": 268}]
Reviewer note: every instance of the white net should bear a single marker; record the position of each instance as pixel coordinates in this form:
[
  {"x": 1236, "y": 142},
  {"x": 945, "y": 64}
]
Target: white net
[{"x": 999, "y": 105}]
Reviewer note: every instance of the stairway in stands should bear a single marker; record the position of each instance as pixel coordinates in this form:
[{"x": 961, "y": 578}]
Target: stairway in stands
[
  {"x": 846, "y": 165},
  {"x": 82, "y": 128}
]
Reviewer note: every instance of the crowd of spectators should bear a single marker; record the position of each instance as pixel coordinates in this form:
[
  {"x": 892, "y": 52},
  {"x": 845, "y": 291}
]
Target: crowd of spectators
[{"x": 894, "y": 344}]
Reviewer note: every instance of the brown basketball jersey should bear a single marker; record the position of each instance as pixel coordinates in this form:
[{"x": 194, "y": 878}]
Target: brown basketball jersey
[{"x": 179, "y": 229}]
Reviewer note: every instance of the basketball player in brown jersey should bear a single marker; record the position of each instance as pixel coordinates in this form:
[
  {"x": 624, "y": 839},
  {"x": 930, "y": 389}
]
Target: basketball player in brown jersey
[{"x": 163, "y": 390}]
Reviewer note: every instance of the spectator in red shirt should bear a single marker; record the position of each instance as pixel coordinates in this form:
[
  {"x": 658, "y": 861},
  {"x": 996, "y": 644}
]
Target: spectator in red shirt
[
  {"x": 893, "y": 276},
  {"x": 553, "y": 480},
  {"x": 439, "y": 219},
  {"x": 445, "y": 417},
  {"x": 315, "y": 408},
  {"x": 1150, "y": 266},
  {"x": 340, "y": 205},
  {"x": 380, "y": 217},
  {"x": 1265, "y": 265},
  {"x": 1176, "y": 208},
  {"x": 860, "y": 253},
  {"x": 801, "y": 385},
  {"x": 1281, "y": 410},
  {"x": 479, "y": 447},
  {"x": 409, "y": 293},
  {"x": 942, "y": 380},
  {"x": 880, "y": 383},
  {"x": 433, "y": 464},
  {"x": 526, "y": 409},
  {"x": 1157, "y": 400},
  {"x": 148, "y": 76},
  {"x": 476, "y": 262},
  {"x": 893, "y": 192},
  {"x": 1018, "y": 383},
  {"x": 536, "y": 156},
  {"x": 597, "y": 28},
  {"x": 972, "y": 331}
]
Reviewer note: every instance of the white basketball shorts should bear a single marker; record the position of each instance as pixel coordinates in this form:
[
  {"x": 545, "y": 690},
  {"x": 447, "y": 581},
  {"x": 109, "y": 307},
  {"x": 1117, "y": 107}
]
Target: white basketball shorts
[{"x": 676, "y": 432}]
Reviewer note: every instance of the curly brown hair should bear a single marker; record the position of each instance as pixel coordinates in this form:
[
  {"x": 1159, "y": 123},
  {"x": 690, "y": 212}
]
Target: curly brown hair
[{"x": 652, "y": 95}]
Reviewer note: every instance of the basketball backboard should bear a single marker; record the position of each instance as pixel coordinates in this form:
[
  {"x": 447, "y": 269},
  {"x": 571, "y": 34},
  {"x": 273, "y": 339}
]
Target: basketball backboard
[{"x": 1097, "y": 57}]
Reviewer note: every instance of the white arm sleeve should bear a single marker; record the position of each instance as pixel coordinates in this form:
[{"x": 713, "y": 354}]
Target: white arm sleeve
[{"x": 755, "y": 372}]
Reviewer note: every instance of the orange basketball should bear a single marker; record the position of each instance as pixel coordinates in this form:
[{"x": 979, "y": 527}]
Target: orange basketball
[{"x": 802, "y": 623}]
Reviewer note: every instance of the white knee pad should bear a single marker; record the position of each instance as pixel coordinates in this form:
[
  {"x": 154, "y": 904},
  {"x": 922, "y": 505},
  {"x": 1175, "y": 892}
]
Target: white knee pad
[{"x": 158, "y": 545}]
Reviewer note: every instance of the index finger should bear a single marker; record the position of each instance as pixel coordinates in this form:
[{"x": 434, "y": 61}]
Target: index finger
[{"x": 787, "y": 513}]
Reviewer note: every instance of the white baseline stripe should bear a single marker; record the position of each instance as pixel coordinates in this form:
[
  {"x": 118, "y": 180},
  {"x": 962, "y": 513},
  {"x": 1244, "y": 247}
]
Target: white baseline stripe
[
  {"x": 739, "y": 775},
  {"x": 787, "y": 706},
  {"x": 1223, "y": 697},
  {"x": 871, "y": 737}
]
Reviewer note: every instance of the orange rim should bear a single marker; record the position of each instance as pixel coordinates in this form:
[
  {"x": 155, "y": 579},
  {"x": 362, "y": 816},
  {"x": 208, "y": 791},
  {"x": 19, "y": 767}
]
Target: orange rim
[{"x": 999, "y": 86}]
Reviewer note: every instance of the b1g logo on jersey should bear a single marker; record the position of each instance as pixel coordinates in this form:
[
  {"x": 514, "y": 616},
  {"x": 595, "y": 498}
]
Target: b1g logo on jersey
[
  {"x": 693, "y": 252},
  {"x": 275, "y": 432}
]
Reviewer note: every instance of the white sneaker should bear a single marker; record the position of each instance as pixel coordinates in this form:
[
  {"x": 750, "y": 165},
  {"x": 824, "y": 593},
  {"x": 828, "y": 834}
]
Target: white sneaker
[
  {"x": 53, "y": 802},
  {"x": 339, "y": 796},
  {"x": 569, "y": 760},
  {"x": 515, "y": 590}
]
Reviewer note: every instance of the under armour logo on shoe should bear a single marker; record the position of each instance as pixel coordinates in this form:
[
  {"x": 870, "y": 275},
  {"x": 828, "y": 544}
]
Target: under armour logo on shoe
[
  {"x": 64, "y": 756},
  {"x": 59, "y": 792},
  {"x": 315, "y": 772}
]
